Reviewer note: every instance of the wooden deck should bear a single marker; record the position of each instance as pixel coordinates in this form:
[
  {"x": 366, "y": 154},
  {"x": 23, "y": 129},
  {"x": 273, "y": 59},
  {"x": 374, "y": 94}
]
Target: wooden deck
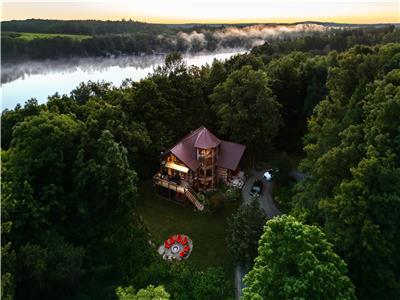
[
  {"x": 179, "y": 188},
  {"x": 169, "y": 184}
]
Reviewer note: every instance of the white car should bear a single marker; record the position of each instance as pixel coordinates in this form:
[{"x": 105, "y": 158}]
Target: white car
[
  {"x": 270, "y": 173},
  {"x": 267, "y": 176}
]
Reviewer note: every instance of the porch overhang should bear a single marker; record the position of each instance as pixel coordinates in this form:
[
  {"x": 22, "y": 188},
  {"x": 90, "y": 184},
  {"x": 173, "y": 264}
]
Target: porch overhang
[{"x": 177, "y": 167}]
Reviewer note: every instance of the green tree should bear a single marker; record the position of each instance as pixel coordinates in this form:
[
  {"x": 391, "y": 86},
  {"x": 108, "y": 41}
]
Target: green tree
[
  {"x": 246, "y": 109},
  {"x": 188, "y": 282},
  {"x": 10, "y": 118},
  {"x": 53, "y": 268},
  {"x": 37, "y": 172},
  {"x": 296, "y": 261},
  {"x": 71, "y": 200},
  {"x": 181, "y": 88},
  {"x": 8, "y": 261},
  {"x": 244, "y": 230},
  {"x": 362, "y": 216},
  {"x": 352, "y": 156},
  {"x": 100, "y": 114},
  {"x": 288, "y": 83},
  {"x": 210, "y": 284},
  {"x": 236, "y": 62},
  {"x": 8, "y": 258},
  {"x": 173, "y": 64},
  {"x": 104, "y": 185},
  {"x": 151, "y": 108},
  {"x": 149, "y": 293}
]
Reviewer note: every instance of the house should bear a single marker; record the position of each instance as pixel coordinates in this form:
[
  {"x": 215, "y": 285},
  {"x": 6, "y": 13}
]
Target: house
[{"x": 198, "y": 162}]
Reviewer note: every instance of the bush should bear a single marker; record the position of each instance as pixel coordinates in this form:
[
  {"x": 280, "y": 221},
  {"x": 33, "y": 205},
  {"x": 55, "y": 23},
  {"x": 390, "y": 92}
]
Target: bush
[
  {"x": 184, "y": 281},
  {"x": 232, "y": 194},
  {"x": 216, "y": 202},
  {"x": 283, "y": 197},
  {"x": 245, "y": 227},
  {"x": 191, "y": 284},
  {"x": 202, "y": 198},
  {"x": 148, "y": 293}
]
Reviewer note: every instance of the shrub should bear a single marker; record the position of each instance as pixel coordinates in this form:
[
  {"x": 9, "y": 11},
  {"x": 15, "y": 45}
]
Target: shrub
[
  {"x": 244, "y": 230},
  {"x": 216, "y": 202},
  {"x": 232, "y": 194}
]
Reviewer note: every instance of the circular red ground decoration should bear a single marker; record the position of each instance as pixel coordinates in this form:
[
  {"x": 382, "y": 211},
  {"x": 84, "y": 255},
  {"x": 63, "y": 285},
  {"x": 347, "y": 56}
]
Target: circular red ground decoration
[{"x": 176, "y": 247}]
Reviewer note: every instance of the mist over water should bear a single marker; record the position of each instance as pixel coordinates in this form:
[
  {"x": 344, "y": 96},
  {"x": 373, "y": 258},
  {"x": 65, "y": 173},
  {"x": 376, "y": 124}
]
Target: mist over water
[
  {"x": 248, "y": 36},
  {"x": 41, "y": 79},
  {"x": 23, "y": 70}
]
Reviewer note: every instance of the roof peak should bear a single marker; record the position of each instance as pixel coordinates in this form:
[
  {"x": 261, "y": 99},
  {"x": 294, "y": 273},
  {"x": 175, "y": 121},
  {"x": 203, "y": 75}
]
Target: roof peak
[{"x": 206, "y": 139}]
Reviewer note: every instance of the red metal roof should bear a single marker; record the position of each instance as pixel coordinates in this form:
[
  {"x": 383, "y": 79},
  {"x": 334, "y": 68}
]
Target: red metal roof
[
  {"x": 229, "y": 153},
  {"x": 206, "y": 140}
]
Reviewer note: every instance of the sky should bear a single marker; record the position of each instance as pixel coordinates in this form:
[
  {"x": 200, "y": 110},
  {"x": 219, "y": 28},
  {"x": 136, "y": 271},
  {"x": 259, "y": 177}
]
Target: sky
[{"x": 208, "y": 11}]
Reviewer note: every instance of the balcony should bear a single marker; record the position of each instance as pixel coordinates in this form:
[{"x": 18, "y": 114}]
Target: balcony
[
  {"x": 171, "y": 183},
  {"x": 182, "y": 187},
  {"x": 206, "y": 162}
]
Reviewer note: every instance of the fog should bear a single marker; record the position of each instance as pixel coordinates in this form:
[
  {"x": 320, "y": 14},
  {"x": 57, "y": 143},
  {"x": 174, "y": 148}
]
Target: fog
[
  {"x": 205, "y": 41},
  {"x": 41, "y": 79},
  {"x": 245, "y": 36},
  {"x": 13, "y": 71}
]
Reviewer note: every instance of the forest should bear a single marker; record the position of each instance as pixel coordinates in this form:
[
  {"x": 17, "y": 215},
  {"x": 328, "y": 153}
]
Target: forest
[
  {"x": 127, "y": 37},
  {"x": 71, "y": 170}
]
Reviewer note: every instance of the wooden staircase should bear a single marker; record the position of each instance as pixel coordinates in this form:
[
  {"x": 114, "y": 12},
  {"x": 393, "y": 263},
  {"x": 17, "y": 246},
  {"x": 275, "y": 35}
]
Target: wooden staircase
[{"x": 192, "y": 198}]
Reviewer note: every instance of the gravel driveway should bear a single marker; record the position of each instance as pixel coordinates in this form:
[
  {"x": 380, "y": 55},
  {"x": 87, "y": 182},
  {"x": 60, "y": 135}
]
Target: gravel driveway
[
  {"x": 266, "y": 202},
  {"x": 268, "y": 205}
]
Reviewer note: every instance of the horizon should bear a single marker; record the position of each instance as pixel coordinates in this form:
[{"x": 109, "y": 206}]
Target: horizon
[
  {"x": 203, "y": 23},
  {"x": 357, "y": 12}
]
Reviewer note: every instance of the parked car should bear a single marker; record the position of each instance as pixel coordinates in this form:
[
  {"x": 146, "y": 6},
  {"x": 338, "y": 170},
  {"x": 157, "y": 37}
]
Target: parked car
[
  {"x": 270, "y": 174},
  {"x": 257, "y": 187}
]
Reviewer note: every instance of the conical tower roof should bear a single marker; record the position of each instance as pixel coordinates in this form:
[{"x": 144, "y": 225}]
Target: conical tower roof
[{"x": 206, "y": 140}]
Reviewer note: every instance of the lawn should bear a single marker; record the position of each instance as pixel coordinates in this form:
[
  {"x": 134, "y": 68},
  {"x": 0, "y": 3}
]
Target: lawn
[
  {"x": 207, "y": 230},
  {"x": 31, "y": 36}
]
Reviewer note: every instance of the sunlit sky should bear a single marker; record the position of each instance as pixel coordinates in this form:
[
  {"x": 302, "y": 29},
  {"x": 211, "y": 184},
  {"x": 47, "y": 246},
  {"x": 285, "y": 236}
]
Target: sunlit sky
[{"x": 208, "y": 11}]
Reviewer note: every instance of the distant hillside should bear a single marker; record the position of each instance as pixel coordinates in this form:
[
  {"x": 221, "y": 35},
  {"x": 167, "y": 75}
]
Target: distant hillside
[
  {"x": 53, "y": 39},
  {"x": 98, "y": 27},
  {"x": 87, "y": 27}
]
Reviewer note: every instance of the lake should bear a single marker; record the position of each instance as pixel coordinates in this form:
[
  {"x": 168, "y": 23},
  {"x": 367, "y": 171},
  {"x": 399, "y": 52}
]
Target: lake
[{"x": 41, "y": 79}]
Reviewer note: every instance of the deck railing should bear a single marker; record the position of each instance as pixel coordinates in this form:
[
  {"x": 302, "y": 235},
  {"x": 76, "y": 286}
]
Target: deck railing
[
  {"x": 186, "y": 190},
  {"x": 165, "y": 182}
]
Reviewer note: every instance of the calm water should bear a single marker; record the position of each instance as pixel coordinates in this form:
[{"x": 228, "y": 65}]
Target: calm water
[{"x": 41, "y": 79}]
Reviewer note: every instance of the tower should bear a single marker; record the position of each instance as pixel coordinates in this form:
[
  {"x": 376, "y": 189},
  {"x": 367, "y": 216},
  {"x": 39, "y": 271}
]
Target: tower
[{"x": 207, "y": 146}]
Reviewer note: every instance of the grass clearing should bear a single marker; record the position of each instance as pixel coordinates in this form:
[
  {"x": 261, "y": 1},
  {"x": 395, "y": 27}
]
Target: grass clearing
[
  {"x": 207, "y": 230},
  {"x": 28, "y": 36}
]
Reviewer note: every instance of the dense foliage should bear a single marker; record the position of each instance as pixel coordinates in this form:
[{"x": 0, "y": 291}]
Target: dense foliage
[
  {"x": 70, "y": 168},
  {"x": 89, "y": 27},
  {"x": 186, "y": 281},
  {"x": 352, "y": 157},
  {"x": 57, "y": 194},
  {"x": 148, "y": 293},
  {"x": 245, "y": 98},
  {"x": 296, "y": 261},
  {"x": 69, "y": 186},
  {"x": 244, "y": 231}
]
